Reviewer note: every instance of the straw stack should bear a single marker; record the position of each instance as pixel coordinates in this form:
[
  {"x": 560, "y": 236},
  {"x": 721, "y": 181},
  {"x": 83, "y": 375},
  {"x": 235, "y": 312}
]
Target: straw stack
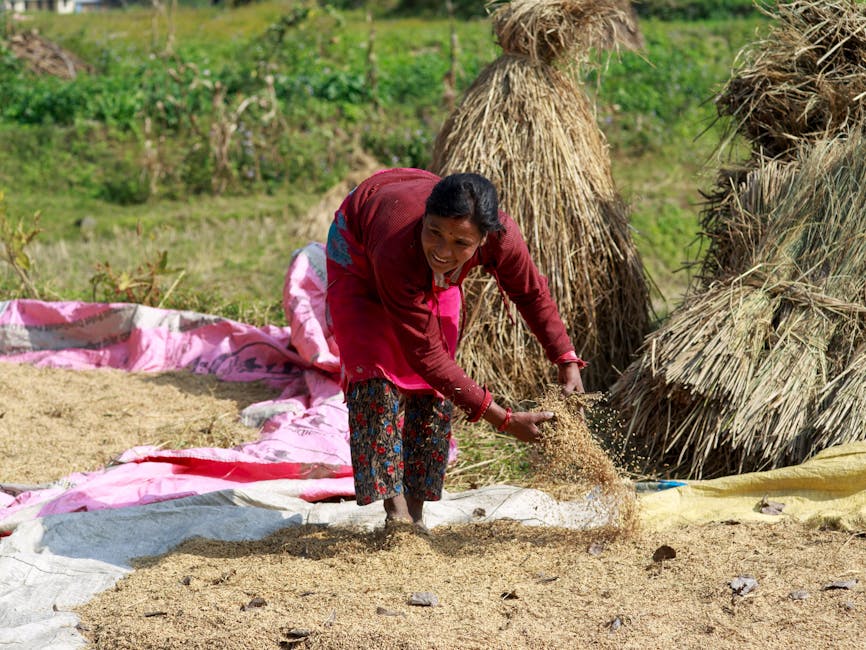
[
  {"x": 526, "y": 125},
  {"x": 804, "y": 82},
  {"x": 766, "y": 368},
  {"x": 764, "y": 364}
]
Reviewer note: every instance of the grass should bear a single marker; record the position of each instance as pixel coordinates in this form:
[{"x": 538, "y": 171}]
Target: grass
[
  {"x": 233, "y": 249},
  {"x": 651, "y": 107},
  {"x": 486, "y": 457},
  {"x": 664, "y": 203}
]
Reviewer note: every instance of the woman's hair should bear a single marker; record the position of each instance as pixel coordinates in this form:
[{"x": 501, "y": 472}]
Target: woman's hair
[{"x": 466, "y": 195}]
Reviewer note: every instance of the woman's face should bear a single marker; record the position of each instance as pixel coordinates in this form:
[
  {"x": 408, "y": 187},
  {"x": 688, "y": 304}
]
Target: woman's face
[{"x": 448, "y": 242}]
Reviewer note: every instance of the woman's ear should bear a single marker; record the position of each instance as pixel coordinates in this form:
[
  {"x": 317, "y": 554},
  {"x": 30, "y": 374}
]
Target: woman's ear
[{"x": 483, "y": 239}]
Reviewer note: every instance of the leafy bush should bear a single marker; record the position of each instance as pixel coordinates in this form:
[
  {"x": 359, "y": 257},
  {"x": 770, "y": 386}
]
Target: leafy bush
[
  {"x": 125, "y": 183},
  {"x": 406, "y": 146},
  {"x": 143, "y": 285},
  {"x": 694, "y": 9},
  {"x": 15, "y": 238},
  {"x": 462, "y": 8}
]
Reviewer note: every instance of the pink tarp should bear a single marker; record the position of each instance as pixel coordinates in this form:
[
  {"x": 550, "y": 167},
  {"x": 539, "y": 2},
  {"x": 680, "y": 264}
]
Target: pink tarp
[{"x": 304, "y": 433}]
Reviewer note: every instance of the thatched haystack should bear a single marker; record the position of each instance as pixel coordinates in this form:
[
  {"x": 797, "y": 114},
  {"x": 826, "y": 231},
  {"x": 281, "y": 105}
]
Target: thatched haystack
[
  {"x": 804, "y": 81},
  {"x": 526, "y": 125},
  {"x": 766, "y": 368},
  {"x": 732, "y": 220},
  {"x": 45, "y": 57},
  {"x": 545, "y": 31}
]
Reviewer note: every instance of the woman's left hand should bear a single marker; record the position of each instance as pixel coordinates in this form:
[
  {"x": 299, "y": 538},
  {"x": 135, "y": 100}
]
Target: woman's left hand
[{"x": 569, "y": 378}]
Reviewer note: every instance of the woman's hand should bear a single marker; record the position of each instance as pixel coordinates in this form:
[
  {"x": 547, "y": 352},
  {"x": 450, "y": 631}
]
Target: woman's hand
[
  {"x": 524, "y": 424},
  {"x": 569, "y": 379}
]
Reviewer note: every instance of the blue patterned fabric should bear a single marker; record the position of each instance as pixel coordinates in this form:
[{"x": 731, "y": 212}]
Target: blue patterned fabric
[{"x": 338, "y": 247}]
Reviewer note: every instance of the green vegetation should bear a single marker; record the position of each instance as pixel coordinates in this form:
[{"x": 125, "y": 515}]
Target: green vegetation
[
  {"x": 201, "y": 138},
  {"x": 695, "y": 9},
  {"x": 15, "y": 239}
]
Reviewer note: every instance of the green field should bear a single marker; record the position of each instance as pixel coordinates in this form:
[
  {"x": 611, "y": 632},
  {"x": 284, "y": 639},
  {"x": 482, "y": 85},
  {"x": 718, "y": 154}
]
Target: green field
[{"x": 120, "y": 163}]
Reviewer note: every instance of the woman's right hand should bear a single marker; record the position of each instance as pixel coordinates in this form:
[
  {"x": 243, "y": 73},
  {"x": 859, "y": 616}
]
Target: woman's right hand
[{"x": 524, "y": 424}]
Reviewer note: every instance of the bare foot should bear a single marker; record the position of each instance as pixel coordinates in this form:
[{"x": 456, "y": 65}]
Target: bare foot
[
  {"x": 397, "y": 508},
  {"x": 415, "y": 507},
  {"x": 402, "y": 510}
]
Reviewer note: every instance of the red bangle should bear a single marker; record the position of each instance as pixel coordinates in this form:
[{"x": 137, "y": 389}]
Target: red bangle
[
  {"x": 506, "y": 421},
  {"x": 482, "y": 409}
]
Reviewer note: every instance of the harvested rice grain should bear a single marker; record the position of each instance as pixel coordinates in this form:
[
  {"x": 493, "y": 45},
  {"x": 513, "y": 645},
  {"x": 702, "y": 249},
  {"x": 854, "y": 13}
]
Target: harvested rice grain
[{"x": 569, "y": 453}]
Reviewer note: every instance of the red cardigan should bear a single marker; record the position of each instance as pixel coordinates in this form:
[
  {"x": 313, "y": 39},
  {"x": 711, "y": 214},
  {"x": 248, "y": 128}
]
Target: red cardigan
[{"x": 381, "y": 221}]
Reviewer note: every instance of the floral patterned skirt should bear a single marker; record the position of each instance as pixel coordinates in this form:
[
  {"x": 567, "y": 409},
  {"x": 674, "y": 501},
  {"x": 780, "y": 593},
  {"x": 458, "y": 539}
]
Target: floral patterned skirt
[{"x": 388, "y": 462}]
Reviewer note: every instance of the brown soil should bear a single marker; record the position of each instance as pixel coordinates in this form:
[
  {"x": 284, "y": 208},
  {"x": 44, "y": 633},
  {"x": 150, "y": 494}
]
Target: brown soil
[{"x": 498, "y": 585}]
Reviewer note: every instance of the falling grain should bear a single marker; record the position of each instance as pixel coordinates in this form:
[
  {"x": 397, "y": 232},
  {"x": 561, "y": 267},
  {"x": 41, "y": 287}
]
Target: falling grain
[{"x": 569, "y": 453}]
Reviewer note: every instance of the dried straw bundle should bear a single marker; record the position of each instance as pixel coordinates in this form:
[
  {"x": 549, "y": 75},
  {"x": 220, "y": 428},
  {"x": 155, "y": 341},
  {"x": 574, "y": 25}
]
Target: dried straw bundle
[
  {"x": 45, "y": 57},
  {"x": 764, "y": 369},
  {"x": 542, "y": 30},
  {"x": 530, "y": 130},
  {"x": 732, "y": 221},
  {"x": 805, "y": 81}
]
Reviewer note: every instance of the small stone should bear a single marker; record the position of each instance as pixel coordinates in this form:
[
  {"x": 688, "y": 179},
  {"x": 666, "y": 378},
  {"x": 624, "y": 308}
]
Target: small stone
[
  {"x": 741, "y": 585},
  {"x": 798, "y": 595},
  {"x": 664, "y": 552},
  {"x": 383, "y": 611},
  {"x": 254, "y": 603},
  {"x": 768, "y": 507},
  {"x": 596, "y": 548},
  {"x": 544, "y": 579},
  {"x": 424, "y": 599}
]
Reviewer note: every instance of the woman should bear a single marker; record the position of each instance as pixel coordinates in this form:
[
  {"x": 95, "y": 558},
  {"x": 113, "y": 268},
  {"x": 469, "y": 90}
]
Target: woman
[{"x": 399, "y": 248}]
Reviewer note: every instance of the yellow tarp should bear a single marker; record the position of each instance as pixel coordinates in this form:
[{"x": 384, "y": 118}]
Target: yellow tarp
[{"x": 829, "y": 488}]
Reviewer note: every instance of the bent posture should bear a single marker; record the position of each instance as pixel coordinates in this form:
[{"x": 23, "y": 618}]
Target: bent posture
[{"x": 400, "y": 246}]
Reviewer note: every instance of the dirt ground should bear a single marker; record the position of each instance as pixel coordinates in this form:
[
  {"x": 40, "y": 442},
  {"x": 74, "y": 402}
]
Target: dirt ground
[{"x": 499, "y": 585}]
